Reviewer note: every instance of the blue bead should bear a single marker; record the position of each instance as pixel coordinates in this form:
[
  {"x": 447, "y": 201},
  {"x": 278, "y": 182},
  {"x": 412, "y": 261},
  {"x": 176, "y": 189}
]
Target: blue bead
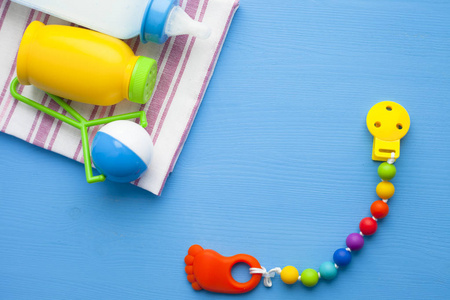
[
  {"x": 342, "y": 257},
  {"x": 327, "y": 270}
]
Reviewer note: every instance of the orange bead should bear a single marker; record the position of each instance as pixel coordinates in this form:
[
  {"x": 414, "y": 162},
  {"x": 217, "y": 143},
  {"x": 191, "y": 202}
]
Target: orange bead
[{"x": 379, "y": 209}]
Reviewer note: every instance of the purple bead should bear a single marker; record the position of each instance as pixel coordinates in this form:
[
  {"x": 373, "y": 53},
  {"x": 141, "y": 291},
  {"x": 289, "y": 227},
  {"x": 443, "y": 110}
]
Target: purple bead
[{"x": 355, "y": 241}]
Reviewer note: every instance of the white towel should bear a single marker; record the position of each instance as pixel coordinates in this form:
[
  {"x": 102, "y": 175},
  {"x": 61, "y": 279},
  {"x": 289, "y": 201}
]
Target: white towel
[{"x": 185, "y": 66}]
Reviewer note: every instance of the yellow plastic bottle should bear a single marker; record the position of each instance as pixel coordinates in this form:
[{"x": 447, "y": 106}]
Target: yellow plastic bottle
[{"x": 83, "y": 65}]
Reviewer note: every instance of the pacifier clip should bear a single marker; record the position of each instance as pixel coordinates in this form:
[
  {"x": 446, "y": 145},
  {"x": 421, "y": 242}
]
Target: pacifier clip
[{"x": 206, "y": 269}]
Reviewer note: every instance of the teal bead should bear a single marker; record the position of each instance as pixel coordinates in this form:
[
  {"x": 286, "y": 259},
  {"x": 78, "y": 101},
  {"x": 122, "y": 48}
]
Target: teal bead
[
  {"x": 386, "y": 171},
  {"x": 327, "y": 270}
]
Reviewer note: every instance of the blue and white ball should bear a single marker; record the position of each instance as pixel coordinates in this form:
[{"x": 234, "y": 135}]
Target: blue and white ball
[{"x": 122, "y": 151}]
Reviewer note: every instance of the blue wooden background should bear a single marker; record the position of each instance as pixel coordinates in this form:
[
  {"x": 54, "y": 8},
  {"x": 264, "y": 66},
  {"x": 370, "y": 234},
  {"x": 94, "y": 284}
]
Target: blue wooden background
[{"x": 277, "y": 165}]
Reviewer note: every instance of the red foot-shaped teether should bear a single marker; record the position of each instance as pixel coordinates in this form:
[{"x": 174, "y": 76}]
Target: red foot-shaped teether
[{"x": 211, "y": 271}]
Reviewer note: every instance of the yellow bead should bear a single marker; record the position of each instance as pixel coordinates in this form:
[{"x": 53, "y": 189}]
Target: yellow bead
[
  {"x": 385, "y": 190},
  {"x": 289, "y": 275}
]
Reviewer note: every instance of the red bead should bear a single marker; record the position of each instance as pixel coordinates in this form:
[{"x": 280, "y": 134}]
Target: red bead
[
  {"x": 379, "y": 209},
  {"x": 368, "y": 226}
]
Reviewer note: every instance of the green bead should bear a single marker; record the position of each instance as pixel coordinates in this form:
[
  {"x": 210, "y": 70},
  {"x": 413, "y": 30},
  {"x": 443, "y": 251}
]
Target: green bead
[
  {"x": 309, "y": 277},
  {"x": 386, "y": 171},
  {"x": 327, "y": 270}
]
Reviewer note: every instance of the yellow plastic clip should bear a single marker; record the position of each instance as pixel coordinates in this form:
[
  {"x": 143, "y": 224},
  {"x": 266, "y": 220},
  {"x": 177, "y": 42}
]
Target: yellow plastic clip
[{"x": 388, "y": 122}]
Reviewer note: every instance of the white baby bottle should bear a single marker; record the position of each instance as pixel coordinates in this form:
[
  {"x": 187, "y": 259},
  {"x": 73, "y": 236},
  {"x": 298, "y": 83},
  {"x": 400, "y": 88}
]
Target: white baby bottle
[{"x": 154, "y": 20}]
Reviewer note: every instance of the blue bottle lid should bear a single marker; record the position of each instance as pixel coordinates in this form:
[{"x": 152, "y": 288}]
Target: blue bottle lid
[{"x": 155, "y": 16}]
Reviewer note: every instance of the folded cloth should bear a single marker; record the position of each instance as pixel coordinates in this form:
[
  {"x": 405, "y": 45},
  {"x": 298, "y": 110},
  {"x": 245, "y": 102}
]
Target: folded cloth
[{"x": 185, "y": 66}]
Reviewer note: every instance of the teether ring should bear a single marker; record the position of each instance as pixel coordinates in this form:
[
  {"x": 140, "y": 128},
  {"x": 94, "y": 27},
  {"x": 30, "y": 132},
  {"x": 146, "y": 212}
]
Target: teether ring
[
  {"x": 388, "y": 122},
  {"x": 211, "y": 271}
]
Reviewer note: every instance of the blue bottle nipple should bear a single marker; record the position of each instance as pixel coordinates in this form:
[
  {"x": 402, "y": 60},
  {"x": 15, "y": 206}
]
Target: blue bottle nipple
[{"x": 165, "y": 18}]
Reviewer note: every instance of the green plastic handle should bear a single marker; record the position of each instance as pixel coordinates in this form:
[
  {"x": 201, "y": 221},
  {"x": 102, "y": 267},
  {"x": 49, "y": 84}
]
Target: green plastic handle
[{"x": 81, "y": 123}]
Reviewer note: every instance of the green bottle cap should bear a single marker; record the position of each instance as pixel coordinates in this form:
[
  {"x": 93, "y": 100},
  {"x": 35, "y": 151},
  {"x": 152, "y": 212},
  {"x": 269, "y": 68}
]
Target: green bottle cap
[{"x": 142, "y": 81}]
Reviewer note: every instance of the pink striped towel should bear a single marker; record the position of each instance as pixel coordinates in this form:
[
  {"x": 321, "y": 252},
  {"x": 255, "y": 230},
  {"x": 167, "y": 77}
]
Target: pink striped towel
[{"x": 185, "y": 67}]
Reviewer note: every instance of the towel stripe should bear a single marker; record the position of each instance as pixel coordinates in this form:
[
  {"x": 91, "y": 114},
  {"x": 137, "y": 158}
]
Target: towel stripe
[
  {"x": 56, "y": 132},
  {"x": 201, "y": 94},
  {"x": 45, "y": 121},
  {"x": 167, "y": 77},
  {"x": 160, "y": 65},
  {"x": 4, "y": 11},
  {"x": 11, "y": 72},
  {"x": 180, "y": 76},
  {"x": 36, "y": 118},
  {"x": 2, "y": 20},
  {"x": 160, "y": 99}
]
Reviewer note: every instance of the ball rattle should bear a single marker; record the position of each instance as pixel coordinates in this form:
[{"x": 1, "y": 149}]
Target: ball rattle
[{"x": 122, "y": 150}]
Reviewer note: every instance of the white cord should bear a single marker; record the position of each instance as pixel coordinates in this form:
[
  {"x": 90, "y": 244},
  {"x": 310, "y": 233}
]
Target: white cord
[
  {"x": 267, "y": 275},
  {"x": 392, "y": 159}
]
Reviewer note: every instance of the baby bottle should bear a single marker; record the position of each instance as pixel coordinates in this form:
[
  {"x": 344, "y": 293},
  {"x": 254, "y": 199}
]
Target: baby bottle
[
  {"x": 83, "y": 65},
  {"x": 154, "y": 20}
]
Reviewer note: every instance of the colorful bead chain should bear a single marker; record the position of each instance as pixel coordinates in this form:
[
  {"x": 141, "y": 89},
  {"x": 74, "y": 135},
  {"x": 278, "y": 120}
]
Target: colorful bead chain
[
  {"x": 388, "y": 122},
  {"x": 355, "y": 241}
]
